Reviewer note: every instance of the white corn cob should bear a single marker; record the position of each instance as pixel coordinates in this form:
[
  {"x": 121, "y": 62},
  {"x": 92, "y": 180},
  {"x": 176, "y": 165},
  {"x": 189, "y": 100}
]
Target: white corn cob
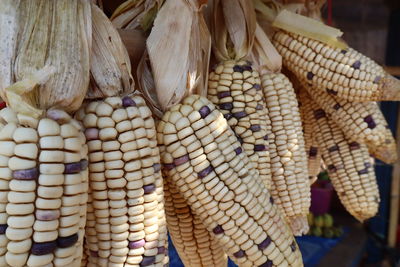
[{"x": 215, "y": 178}]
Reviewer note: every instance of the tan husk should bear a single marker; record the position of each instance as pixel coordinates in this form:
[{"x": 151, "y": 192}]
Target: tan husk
[
  {"x": 8, "y": 38},
  {"x": 110, "y": 67},
  {"x": 57, "y": 34},
  {"x": 179, "y": 48}
]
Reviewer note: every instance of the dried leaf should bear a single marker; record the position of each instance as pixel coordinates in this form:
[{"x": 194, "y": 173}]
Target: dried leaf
[{"x": 110, "y": 66}]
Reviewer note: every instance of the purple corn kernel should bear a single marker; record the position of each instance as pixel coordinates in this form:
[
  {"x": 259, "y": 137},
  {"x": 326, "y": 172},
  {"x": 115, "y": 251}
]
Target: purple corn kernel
[
  {"x": 268, "y": 263},
  {"x": 205, "y": 172},
  {"x": 166, "y": 252},
  {"x": 259, "y": 107},
  {"x": 313, "y": 151},
  {"x": 356, "y": 65},
  {"x": 240, "y": 114},
  {"x": 332, "y": 168},
  {"x": 128, "y": 102},
  {"x": 333, "y": 148},
  {"x": 157, "y": 167},
  {"x": 44, "y": 248},
  {"x": 224, "y": 94},
  {"x": 319, "y": 113},
  {"x": 343, "y": 51},
  {"x": 148, "y": 260},
  {"x": 238, "y": 68},
  {"x": 94, "y": 253},
  {"x": 28, "y": 174},
  {"x": 160, "y": 250},
  {"x": 331, "y": 92},
  {"x": 3, "y": 228},
  {"x": 247, "y": 67},
  {"x": 363, "y": 171},
  {"x": 226, "y": 106},
  {"x": 92, "y": 134},
  {"x": 218, "y": 230},
  {"x": 67, "y": 241},
  {"x": 266, "y": 137},
  {"x": 367, "y": 165},
  {"x": 377, "y": 79},
  {"x": 257, "y": 86},
  {"x": 239, "y": 254},
  {"x": 238, "y": 150},
  {"x": 368, "y": 119},
  {"x": 150, "y": 188},
  {"x": 271, "y": 200},
  {"x": 354, "y": 146},
  {"x": 293, "y": 246},
  {"x": 47, "y": 215},
  {"x": 260, "y": 148},
  {"x": 228, "y": 116},
  {"x": 181, "y": 160},
  {"x": 255, "y": 128},
  {"x": 310, "y": 75},
  {"x": 137, "y": 244},
  {"x": 264, "y": 244},
  {"x": 74, "y": 167},
  {"x": 204, "y": 111},
  {"x": 84, "y": 164},
  {"x": 169, "y": 166},
  {"x": 371, "y": 125},
  {"x": 337, "y": 106}
]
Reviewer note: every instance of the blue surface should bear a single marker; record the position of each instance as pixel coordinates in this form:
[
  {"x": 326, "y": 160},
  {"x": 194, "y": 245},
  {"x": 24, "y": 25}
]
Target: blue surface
[{"x": 312, "y": 248}]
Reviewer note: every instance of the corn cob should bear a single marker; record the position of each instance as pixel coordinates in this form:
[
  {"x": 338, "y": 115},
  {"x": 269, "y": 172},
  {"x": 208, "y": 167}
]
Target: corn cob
[
  {"x": 346, "y": 74},
  {"x": 348, "y": 163},
  {"x": 234, "y": 87},
  {"x": 290, "y": 187},
  {"x": 36, "y": 163},
  {"x": 127, "y": 188},
  {"x": 195, "y": 245},
  {"x": 215, "y": 178}
]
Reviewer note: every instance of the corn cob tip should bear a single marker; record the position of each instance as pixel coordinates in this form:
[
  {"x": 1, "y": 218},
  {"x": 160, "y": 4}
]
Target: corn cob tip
[
  {"x": 386, "y": 153},
  {"x": 299, "y": 225},
  {"x": 390, "y": 88}
]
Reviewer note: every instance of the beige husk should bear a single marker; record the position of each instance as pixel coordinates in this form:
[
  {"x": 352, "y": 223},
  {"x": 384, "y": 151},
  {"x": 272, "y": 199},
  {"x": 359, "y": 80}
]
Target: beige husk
[
  {"x": 57, "y": 34},
  {"x": 8, "y": 38},
  {"x": 233, "y": 25},
  {"x": 110, "y": 67},
  {"x": 179, "y": 48}
]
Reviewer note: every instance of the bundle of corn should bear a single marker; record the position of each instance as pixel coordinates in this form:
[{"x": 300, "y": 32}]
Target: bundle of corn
[
  {"x": 44, "y": 178},
  {"x": 217, "y": 180},
  {"x": 312, "y": 51},
  {"x": 126, "y": 221},
  {"x": 234, "y": 86},
  {"x": 348, "y": 162}
]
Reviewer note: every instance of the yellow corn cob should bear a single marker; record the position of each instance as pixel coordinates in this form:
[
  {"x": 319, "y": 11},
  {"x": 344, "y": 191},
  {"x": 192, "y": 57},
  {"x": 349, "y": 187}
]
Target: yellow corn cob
[
  {"x": 290, "y": 187},
  {"x": 348, "y": 163},
  {"x": 215, "y": 178},
  {"x": 361, "y": 122},
  {"x": 345, "y": 73},
  {"x": 195, "y": 245},
  {"x": 43, "y": 189},
  {"x": 234, "y": 87},
  {"x": 126, "y": 183}
]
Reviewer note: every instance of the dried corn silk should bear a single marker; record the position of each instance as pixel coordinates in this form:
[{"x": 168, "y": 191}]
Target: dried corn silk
[
  {"x": 213, "y": 175},
  {"x": 234, "y": 87},
  {"x": 43, "y": 209},
  {"x": 290, "y": 182},
  {"x": 348, "y": 164},
  {"x": 127, "y": 219}
]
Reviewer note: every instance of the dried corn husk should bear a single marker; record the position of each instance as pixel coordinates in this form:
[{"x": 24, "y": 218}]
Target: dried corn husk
[
  {"x": 179, "y": 49},
  {"x": 55, "y": 33},
  {"x": 8, "y": 38},
  {"x": 110, "y": 67}
]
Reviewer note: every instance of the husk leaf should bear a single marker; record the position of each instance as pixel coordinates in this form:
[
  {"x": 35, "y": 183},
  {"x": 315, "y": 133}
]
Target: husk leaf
[
  {"x": 55, "y": 33},
  {"x": 233, "y": 26},
  {"x": 179, "y": 48},
  {"x": 8, "y": 40},
  {"x": 110, "y": 67}
]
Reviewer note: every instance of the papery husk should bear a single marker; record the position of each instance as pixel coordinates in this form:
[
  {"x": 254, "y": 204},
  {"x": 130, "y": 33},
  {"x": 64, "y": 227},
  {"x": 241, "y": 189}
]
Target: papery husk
[
  {"x": 136, "y": 14},
  {"x": 110, "y": 67},
  {"x": 232, "y": 26},
  {"x": 179, "y": 48},
  {"x": 57, "y": 34},
  {"x": 9, "y": 21}
]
